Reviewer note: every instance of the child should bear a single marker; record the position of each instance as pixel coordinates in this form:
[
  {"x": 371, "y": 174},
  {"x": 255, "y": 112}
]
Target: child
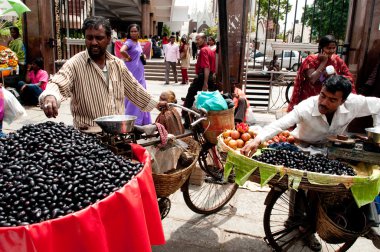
[{"x": 170, "y": 117}]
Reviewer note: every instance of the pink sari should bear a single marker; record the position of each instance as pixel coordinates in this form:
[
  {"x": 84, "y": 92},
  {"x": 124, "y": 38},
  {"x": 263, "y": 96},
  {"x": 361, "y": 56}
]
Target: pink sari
[
  {"x": 303, "y": 89},
  {"x": 1, "y": 104}
]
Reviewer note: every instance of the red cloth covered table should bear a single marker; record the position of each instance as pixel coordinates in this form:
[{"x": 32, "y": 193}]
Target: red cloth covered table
[{"x": 127, "y": 220}]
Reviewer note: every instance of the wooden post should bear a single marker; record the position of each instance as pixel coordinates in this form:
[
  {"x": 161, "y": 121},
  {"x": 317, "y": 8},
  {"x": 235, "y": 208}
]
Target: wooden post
[
  {"x": 38, "y": 31},
  {"x": 223, "y": 49},
  {"x": 233, "y": 20}
]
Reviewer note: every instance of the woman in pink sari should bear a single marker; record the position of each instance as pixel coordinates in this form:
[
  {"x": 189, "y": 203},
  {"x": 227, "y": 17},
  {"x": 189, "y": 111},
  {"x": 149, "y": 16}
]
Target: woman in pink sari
[{"x": 312, "y": 71}]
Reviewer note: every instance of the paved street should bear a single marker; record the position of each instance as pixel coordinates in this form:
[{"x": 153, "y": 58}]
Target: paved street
[{"x": 238, "y": 227}]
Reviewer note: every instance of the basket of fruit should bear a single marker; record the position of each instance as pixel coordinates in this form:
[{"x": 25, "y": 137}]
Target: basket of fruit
[
  {"x": 8, "y": 58},
  {"x": 61, "y": 190},
  {"x": 286, "y": 167}
]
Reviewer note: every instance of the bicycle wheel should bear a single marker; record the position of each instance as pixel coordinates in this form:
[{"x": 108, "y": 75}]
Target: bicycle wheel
[
  {"x": 289, "y": 91},
  {"x": 209, "y": 193},
  {"x": 284, "y": 234}
]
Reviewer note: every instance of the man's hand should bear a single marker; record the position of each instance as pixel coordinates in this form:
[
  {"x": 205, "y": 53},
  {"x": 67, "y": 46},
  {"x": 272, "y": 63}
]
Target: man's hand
[
  {"x": 205, "y": 87},
  {"x": 50, "y": 106},
  {"x": 250, "y": 147}
]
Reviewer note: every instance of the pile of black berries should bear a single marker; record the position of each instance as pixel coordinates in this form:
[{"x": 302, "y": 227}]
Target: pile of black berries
[
  {"x": 50, "y": 170},
  {"x": 302, "y": 161}
]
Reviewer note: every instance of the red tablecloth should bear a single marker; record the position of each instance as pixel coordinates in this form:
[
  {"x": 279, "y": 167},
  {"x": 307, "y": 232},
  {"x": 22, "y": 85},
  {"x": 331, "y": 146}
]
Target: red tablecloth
[{"x": 127, "y": 220}]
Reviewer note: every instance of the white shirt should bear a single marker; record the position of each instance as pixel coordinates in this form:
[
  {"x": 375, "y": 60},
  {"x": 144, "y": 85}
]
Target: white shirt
[
  {"x": 193, "y": 36},
  {"x": 171, "y": 52},
  {"x": 313, "y": 127}
]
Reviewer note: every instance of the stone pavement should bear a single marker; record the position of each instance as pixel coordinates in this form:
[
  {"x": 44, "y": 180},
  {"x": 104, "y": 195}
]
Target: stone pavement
[{"x": 237, "y": 227}]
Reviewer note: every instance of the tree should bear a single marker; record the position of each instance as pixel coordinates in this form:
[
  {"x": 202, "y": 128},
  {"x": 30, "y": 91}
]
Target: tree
[
  {"x": 327, "y": 17},
  {"x": 277, "y": 9},
  {"x": 211, "y": 31},
  {"x": 166, "y": 29}
]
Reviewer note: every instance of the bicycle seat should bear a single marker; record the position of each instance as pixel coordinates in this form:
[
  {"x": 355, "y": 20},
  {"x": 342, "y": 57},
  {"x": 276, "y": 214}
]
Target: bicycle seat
[{"x": 146, "y": 129}]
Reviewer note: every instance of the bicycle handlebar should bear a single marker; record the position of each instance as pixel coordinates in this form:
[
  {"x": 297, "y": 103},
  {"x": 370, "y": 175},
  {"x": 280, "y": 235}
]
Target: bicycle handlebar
[
  {"x": 187, "y": 109},
  {"x": 200, "y": 116}
]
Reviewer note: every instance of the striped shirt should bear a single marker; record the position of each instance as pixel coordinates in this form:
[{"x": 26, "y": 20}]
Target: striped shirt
[{"x": 92, "y": 96}]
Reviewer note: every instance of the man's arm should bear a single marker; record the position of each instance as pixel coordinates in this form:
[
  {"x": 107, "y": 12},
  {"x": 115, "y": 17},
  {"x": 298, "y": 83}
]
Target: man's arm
[
  {"x": 27, "y": 77},
  {"x": 206, "y": 72},
  {"x": 58, "y": 87},
  {"x": 178, "y": 54},
  {"x": 271, "y": 130}
]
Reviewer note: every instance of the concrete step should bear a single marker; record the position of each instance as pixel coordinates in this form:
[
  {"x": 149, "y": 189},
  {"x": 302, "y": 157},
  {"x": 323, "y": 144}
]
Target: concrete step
[
  {"x": 257, "y": 87},
  {"x": 159, "y": 70}
]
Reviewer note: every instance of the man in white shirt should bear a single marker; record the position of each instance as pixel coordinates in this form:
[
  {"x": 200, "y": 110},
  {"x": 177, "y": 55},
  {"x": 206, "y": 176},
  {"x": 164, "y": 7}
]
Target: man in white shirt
[
  {"x": 317, "y": 117},
  {"x": 172, "y": 56},
  {"x": 326, "y": 114},
  {"x": 193, "y": 44}
]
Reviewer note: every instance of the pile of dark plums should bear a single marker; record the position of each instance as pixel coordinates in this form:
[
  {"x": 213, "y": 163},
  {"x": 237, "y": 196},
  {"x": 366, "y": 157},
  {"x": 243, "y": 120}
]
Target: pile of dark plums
[
  {"x": 49, "y": 170},
  {"x": 303, "y": 161}
]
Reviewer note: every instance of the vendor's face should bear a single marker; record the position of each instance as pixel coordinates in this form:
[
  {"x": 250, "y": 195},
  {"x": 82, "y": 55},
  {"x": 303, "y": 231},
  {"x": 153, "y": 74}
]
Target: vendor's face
[
  {"x": 329, "y": 102},
  {"x": 96, "y": 41},
  {"x": 329, "y": 50},
  {"x": 134, "y": 33}
]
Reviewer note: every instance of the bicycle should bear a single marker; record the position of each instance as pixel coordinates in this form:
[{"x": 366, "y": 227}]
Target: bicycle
[
  {"x": 292, "y": 218},
  {"x": 211, "y": 192}
]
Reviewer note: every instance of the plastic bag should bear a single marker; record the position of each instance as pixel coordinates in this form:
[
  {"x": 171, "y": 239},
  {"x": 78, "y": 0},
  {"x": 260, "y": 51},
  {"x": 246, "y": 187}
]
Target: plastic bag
[
  {"x": 250, "y": 117},
  {"x": 13, "y": 110},
  {"x": 165, "y": 159},
  {"x": 211, "y": 101}
]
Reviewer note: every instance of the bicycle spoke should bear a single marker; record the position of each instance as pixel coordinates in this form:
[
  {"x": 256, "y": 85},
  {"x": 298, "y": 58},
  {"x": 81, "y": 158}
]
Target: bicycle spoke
[{"x": 282, "y": 218}]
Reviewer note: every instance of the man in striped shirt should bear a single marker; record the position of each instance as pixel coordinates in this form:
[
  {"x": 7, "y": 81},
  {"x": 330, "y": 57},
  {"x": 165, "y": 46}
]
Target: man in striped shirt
[{"x": 96, "y": 81}]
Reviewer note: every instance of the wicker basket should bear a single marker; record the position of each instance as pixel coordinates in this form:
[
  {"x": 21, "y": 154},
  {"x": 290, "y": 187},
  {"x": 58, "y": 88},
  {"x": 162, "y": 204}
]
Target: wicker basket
[
  {"x": 282, "y": 182},
  {"x": 167, "y": 184},
  {"x": 329, "y": 231}
]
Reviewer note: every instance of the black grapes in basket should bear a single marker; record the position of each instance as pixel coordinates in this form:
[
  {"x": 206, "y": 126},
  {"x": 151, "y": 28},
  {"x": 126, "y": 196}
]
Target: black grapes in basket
[
  {"x": 49, "y": 170},
  {"x": 283, "y": 146},
  {"x": 303, "y": 161}
]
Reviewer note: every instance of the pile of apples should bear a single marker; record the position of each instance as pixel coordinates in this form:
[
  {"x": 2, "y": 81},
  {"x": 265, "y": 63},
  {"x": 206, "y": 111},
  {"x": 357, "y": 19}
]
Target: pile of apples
[
  {"x": 280, "y": 137},
  {"x": 238, "y": 137}
]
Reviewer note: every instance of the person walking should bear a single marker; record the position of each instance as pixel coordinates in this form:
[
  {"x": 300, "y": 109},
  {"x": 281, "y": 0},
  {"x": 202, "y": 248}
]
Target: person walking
[
  {"x": 172, "y": 56},
  {"x": 96, "y": 81},
  {"x": 205, "y": 69},
  {"x": 132, "y": 51},
  {"x": 194, "y": 48},
  {"x": 185, "y": 60}
]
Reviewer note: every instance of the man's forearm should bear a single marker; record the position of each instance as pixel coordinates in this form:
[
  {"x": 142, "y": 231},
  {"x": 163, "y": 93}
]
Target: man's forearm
[
  {"x": 206, "y": 72},
  {"x": 279, "y": 125}
]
